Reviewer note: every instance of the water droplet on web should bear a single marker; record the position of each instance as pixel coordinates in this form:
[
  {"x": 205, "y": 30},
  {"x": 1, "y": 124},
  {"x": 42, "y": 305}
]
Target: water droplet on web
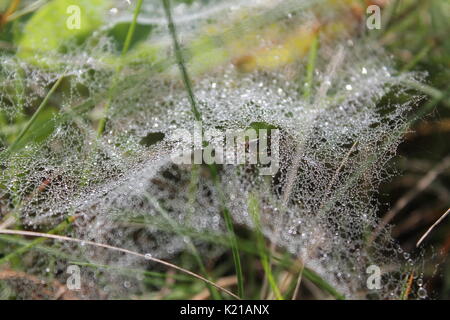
[{"x": 422, "y": 293}]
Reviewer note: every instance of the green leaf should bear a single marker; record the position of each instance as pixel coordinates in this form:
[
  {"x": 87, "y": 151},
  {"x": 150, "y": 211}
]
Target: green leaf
[
  {"x": 54, "y": 26},
  {"x": 120, "y": 30}
]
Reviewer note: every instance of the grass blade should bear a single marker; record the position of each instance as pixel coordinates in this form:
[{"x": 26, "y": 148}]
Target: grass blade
[
  {"x": 253, "y": 207},
  {"x": 126, "y": 46},
  {"x": 39, "y": 110},
  {"x": 106, "y": 246},
  {"x": 311, "y": 66},
  {"x": 212, "y": 168},
  {"x": 180, "y": 60},
  {"x": 61, "y": 227}
]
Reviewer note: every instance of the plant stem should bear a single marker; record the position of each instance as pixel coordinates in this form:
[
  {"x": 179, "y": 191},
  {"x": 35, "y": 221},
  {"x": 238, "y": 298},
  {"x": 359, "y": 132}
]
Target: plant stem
[
  {"x": 230, "y": 229},
  {"x": 35, "y": 116},
  {"x": 126, "y": 46},
  {"x": 310, "y": 68},
  {"x": 317, "y": 280},
  {"x": 214, "y": 293},
  {"x": 117, "y": 249},
  {"x": 132, "y": 27},
  {"x": 61, "y": 227},
  {"x": 254, "y": 209},
  {"x": 212, "y": 167},
  {"x": 180, "y": 60}
]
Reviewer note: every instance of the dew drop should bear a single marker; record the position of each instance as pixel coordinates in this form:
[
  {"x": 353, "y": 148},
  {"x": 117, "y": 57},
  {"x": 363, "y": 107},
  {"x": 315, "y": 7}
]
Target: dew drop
[
  {"x": 422, "y": 293},
  {"x": 148, "y": 256}
]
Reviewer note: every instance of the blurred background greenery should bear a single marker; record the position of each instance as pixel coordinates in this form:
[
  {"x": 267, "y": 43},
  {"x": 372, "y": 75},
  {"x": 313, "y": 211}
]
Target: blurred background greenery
[{"x": 417, "y": 36}]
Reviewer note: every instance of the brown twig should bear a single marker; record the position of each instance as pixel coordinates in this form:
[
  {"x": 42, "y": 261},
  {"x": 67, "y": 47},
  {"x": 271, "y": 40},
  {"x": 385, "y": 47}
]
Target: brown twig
[
  {"x": 4, "y": 17},
  {"x": 299, "y": 280},
  {"x": 106, "y": 246},
  {"x": 432, "y": 227},
  {"x": 223, "y": 282},
  {"x": 408, "y": 286},
  {"x": 410, "y": 195}
]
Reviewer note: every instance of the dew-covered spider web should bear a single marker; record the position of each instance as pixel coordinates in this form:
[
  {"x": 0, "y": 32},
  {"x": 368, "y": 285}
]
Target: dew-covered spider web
[{"x": 248, "y": 62}]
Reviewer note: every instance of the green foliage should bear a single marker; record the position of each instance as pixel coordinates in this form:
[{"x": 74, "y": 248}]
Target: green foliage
[
  {"x": 47, "y": 31},
  {"x": 119, "y": 33}
]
